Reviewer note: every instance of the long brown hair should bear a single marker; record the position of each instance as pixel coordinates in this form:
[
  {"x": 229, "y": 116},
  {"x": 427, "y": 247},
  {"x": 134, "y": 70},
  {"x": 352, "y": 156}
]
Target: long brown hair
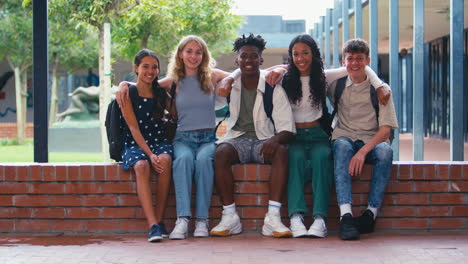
[
  {"x": 159, "y": 94},
  {"x": 176, "y": 68}
]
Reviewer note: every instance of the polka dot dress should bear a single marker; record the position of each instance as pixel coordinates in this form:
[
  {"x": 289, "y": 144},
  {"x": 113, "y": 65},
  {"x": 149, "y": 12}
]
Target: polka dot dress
[{"x": 153, "y": 133}]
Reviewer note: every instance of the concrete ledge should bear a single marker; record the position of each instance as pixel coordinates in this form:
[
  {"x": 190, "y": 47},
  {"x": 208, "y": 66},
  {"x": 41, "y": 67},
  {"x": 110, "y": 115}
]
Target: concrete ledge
[{"x": 101, "y": 198}]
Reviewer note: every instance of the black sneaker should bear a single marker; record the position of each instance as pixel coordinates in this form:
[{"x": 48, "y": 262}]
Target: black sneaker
[
  {"x": 163, "y": 229},
  {"x": 154, "y": 234},
  {"x": 348, "y": 230},
  {"x": 366, "y": 223}
]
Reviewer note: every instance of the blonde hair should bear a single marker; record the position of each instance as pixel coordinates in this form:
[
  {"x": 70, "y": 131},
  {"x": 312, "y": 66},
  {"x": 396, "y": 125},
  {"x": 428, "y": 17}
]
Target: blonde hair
[{"x": 176, "y": 68}]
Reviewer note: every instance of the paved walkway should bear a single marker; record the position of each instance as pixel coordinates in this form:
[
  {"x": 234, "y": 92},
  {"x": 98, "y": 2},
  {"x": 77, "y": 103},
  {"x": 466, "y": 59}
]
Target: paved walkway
[
  {"x": 434, "y": 149},
  {"x": 249, "y": 248}
]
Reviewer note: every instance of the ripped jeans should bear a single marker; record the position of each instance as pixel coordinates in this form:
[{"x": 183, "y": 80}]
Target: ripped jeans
[{"x": 381, "y": 156}]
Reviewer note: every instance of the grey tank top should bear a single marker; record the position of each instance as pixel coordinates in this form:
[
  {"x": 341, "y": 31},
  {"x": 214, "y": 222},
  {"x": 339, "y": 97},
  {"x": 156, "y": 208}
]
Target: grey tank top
[{"x": 195, "y": 108}]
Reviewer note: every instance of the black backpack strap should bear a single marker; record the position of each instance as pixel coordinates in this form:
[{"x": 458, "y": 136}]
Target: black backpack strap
[
  {"x": 375, "y": 104},
  {"x": 375, "y": 101},
  {"x": 326, "y": 120},
  {"x": 132, "y": 91},
  {"x": 340, "y": 85},
  {"x": 172, "y": 93},
  {"x": 268, "y": 101}
]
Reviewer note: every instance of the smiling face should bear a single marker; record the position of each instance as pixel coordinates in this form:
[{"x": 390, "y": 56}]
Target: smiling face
[
  {"x": 355, "y": 63},
  {"x": 192, "y": 56},
  {"x": 302, "y": 58},
  {"x": 147, "y": 70},
  {"x": 249, "y": 58}
]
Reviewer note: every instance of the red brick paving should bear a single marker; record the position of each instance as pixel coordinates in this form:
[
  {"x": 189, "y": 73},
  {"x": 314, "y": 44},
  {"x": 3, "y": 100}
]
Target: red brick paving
[{"x": 380, "y": 247}]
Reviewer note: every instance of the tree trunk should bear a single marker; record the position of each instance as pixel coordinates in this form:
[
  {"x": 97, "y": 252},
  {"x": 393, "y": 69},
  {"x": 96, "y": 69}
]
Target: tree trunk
[
  {"x": 24, "y": 98},
  {"x": 20, "y": 122},
  {"x": 104, "y": 83},
  {"x": 53, "y": 93},
  {"x": 144, "y": 42}
]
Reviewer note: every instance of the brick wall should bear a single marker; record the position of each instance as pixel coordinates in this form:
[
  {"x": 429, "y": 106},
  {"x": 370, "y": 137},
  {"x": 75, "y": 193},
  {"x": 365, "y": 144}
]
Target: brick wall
[
  {"x": 101, "y": 197},
  {"x": 8, "y": 130}
]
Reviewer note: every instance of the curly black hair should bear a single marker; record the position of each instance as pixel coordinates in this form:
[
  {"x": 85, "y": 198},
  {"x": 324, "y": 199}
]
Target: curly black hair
[
  {"x": 251, "y": 40},
  {"x": 160, "y": 96},
  {"x": 291, "y": 80}
]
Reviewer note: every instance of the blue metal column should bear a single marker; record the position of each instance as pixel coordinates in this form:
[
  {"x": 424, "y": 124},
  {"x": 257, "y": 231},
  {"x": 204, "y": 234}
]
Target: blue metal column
[
  {"x": 321, "y": 30},
  {"x": 409, "y": 91},
  {"x": 315, "y": 32},
  {"x": 358, "y": 18},
  {"x": 456, "y": 80},
  {"x": 345, "y": 19},
  {"x": 336, "y": 39},
  {"x": 327, "y": 38},
  {"x": 373, "y": 35},
  {"x": 40, "y": 76},
  {"x": 418, "y": 80},
  {"x": 395, "y": 71}
]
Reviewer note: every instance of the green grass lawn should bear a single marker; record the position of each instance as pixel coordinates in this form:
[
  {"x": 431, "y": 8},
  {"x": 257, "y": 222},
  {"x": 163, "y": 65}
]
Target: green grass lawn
[{"x": 25, "y": 153}]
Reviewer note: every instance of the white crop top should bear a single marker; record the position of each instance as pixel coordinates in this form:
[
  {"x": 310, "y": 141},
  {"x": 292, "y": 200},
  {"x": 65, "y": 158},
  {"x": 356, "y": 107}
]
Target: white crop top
[{"x": 303, "y": 111}]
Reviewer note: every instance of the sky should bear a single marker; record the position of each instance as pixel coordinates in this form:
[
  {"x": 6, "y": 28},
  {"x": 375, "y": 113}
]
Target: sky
[{"x": 310, "y": 10}]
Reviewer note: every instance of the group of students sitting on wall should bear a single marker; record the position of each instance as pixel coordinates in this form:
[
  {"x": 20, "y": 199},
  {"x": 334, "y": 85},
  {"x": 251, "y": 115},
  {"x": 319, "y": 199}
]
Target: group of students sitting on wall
[{"x": 278, "y": 116}]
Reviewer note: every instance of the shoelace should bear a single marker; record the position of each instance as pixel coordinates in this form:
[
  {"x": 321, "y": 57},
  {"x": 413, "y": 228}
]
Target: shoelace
[
  {"x": 297, "y": 218},
  {"x": 179, "y": 224},
  {"x": 201, "y": 224}
]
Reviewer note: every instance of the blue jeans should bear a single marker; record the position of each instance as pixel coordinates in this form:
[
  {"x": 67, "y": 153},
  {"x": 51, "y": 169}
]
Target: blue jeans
[
  {"x": 193, "y": 158},
  {"x": 381, "y": 156}
]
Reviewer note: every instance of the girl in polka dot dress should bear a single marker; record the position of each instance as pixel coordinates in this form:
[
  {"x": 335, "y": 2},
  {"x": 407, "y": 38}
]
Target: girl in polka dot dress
[{"x": 146, "y": 145}]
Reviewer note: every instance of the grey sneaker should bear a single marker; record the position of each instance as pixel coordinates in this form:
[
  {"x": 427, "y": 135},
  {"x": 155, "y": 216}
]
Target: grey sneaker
[
  {"x": 180, "y": 230},
  {"x": 297, "y": 226},
  {"x": 201, "y": 228},
  {"x": 318, "y": 228}
]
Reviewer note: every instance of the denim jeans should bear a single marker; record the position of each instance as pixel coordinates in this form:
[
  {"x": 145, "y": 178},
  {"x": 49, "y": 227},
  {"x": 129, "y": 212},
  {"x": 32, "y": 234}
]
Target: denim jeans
[
  {"x": 381, "y": 156},
  {"x": 193, "y": 159}
]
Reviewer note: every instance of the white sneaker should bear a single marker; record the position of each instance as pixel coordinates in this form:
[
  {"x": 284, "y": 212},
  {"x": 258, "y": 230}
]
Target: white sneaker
[
  {"x": 297, "y": 226},
  {"x": 180, "y": 230},
  {"x": 272, "y": 226},
  {"x": 230, "y": 225},
  {"x": 318, "y": 228},
  {"x": 201, "y": 228}
]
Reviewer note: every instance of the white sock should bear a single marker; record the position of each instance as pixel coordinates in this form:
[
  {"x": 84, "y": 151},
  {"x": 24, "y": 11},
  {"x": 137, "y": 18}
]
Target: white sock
[
  {"x": 274, "y": 207},
  {"x": 373, "y": 210},
  {"x": 344, "y": 209},
  {"x": 230, "y": 208}
]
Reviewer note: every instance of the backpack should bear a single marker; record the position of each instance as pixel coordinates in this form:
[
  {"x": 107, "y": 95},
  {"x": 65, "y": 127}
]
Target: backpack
[
  {"x": 340, "y": 85},
  {"x": 115, "y": 124},
  {"x": 267, "y": 104}
]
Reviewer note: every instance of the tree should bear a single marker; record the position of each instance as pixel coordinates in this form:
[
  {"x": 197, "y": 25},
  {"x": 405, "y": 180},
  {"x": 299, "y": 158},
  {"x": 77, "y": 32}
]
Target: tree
[
  {"x": 212, "y": 20},
  {"x": 97, "y": 13},
  {"x": 16, "y": 49},
  {"x": 160, "y": 24},
  {"x": 71, "y": 48}
]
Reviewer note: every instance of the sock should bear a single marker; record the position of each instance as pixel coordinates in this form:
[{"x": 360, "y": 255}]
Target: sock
[
  {"x": 274, "y": 207},
  {"x": 230, "y": 208},
  {"x": 344, "y": 209},
  {"x": 373, "y": 210}
]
